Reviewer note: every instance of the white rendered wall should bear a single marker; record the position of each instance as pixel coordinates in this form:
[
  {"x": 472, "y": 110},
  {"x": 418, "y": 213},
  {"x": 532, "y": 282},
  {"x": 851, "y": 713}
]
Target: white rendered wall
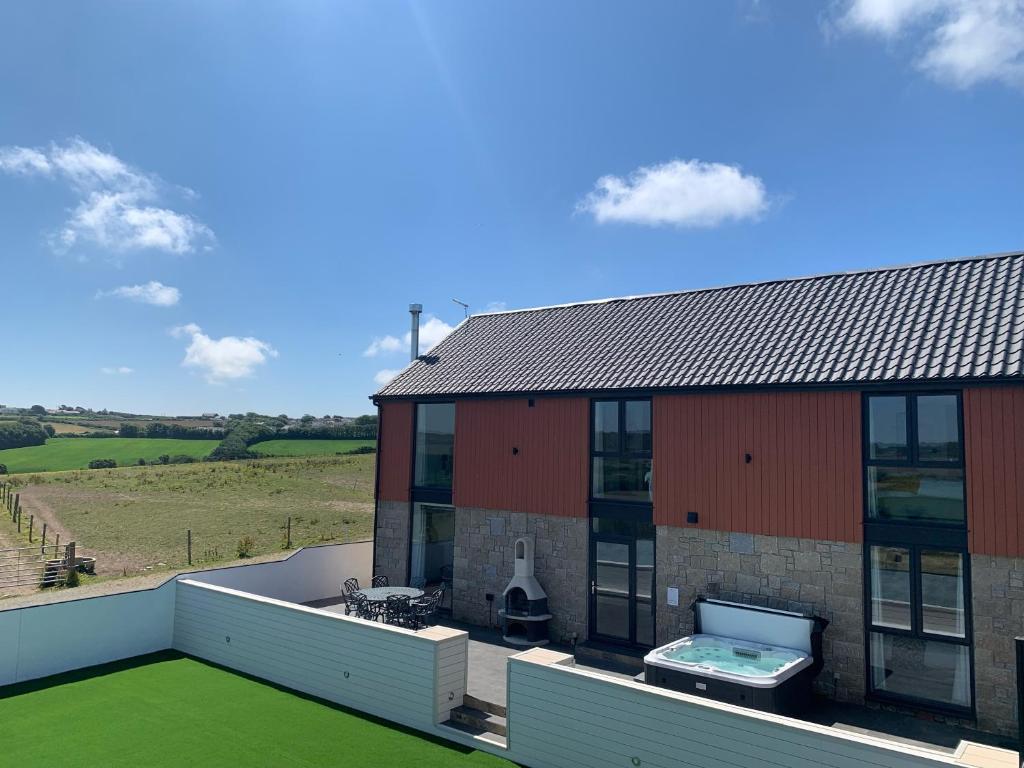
[
  {"x": 309, "y": 574},
  {"x": 41, "y": 640}
]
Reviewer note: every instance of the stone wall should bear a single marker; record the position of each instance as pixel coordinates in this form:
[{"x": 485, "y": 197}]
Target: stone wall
[
  {"x": 392, "y": 541},
  {"x": 997, "y": 594},
  {"x": 484, "y": 556},
  {"x": 820, "y": 577}
]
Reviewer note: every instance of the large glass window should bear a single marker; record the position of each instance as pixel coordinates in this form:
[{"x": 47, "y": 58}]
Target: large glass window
[
  {"x": 432, "y": 545},
  {"x": 913, "y": 668},
  {"x": 621, "y": 460},
  {"x": 915, "y": 455},
  {"x": 435, "y": 445}
]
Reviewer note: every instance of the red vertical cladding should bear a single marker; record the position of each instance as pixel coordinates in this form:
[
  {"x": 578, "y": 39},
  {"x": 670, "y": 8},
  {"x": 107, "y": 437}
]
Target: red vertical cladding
[
  {"x": 802, "y": 478},
  {"x": 994, "y": 460},
  {"x": 510, "y": 455},
  {"x": 394, "y": 451}
]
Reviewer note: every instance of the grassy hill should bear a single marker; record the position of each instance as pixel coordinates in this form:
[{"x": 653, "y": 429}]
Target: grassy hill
[
  {"x": 75, "y": 453},
  {"x": 136, "y": 517},
  {"x": 308, "y": 447}
]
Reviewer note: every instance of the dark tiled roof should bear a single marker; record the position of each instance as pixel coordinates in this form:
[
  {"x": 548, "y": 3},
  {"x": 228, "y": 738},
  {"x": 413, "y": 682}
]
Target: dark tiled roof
[{"x": 947, "y": 320}]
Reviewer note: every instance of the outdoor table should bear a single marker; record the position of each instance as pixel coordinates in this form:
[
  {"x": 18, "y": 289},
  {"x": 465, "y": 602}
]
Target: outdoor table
[{"x": 381, "y": 594}]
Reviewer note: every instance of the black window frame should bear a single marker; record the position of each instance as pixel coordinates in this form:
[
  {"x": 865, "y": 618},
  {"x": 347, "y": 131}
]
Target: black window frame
[
  {"x": 915, "y": 536},
  {"x": 432, "y": 494},
  {"x": 913, "y": 462},
  {"x": 604, "y": 507}
]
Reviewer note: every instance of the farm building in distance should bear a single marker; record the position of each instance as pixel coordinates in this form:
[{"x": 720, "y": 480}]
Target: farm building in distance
[{"x": 849, "y": 445}]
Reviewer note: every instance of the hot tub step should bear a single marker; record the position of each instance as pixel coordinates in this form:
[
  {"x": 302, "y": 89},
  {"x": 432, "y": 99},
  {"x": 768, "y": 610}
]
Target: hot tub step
[{"x": 483, "y": 721}]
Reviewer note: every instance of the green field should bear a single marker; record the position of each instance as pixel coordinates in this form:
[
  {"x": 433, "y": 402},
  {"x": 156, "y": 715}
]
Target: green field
[
  {"x": 167, "y": 710},
  {"x": 134, "y": 518},
  {"x": 75, "y": 453},
  {"x": 309, "y": 447}
]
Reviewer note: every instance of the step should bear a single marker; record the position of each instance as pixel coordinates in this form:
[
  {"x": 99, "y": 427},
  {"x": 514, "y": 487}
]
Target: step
[
  {"x": 486, "y": 706},
  {"x": 477, "y": 734},
  {"x": 483, "y": 721},
  {"x": 620, "y": 659}
]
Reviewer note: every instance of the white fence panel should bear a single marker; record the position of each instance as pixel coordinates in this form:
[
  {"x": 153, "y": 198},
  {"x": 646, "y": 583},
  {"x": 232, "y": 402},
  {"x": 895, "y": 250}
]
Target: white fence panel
[
  {"x": 385, "y": 671},
  {"x": 560, "y": 717}
]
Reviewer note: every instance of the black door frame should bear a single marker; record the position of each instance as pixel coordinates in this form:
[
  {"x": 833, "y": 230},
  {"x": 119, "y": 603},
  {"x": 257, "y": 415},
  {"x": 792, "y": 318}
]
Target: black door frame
[{"x": 630, "y": 540}]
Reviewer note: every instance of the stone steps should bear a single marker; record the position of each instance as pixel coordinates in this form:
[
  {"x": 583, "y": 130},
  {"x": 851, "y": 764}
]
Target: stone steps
[{"x": 480, "y": 720}]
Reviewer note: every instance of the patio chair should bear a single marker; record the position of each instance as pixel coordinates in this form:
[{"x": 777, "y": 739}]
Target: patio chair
[
  {"x": 425, "y": 608},
  {"x": 362, "y": 608},
  {"x": 398, "y": 610},
  {"x": 350, "y": 586},
  {"x": 379, "y": 581}
]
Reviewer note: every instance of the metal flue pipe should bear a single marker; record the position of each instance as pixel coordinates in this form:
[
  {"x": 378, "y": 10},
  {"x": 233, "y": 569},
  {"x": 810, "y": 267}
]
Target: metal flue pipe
[{"x": 414, "y": 344}]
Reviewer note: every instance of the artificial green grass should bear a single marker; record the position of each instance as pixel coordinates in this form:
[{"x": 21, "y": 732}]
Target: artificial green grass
[
  {"x": 308, "y": 447},
  {"x": 63, "y": 453},
  {"x": 167, "y": 710}
]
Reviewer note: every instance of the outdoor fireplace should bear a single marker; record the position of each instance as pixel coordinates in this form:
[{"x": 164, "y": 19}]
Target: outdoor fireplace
[{"x": 525, "y": 616}]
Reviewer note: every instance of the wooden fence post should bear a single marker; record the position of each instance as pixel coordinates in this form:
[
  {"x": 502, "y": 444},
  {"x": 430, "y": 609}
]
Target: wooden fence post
[
  {"x": 17, "y": 503},
  {"x": 43, "y": 545},
  {"x": 19, "y": 521},
  {"x": 188, "y": 544},
  {"x": 69, "y": 557},
  {"x": 31, "y": 522}
]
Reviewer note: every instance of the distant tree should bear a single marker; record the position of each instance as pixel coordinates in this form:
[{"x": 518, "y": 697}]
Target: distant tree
[
  {"x": 3, "y": 469},
  {"x": 102, "y": 464},
  {"x": 127, "y": 430},
  {"x": 38, "y": 410},
  {"x": 283, "y": 417},
  {"x": 141, "y": 462},
  {"x": 367, "y": 420},
  {"x": 306, "y": 418},
  {"x": 165, "y": 459},
  {"x": 50, "y": 431},
  {"x": 21, "y": 433}
]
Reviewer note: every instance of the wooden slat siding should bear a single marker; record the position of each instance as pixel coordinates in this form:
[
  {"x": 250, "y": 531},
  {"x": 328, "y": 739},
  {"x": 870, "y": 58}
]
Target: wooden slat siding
[
  {"x": 451, "y": 676},
  {"x": 994, "y": 445},
  {"x": 548, "y": 475},
  {"x": 803, "y": 481},
  {"x": 391, "y": 673},
  {"x": 559, "y": 716},
  {"x": 395, "y": 451}
]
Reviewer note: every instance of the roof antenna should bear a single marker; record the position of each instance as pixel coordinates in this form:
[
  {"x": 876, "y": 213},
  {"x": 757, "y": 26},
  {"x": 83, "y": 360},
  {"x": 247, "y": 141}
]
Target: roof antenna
[{"x": 464, "y": 305}]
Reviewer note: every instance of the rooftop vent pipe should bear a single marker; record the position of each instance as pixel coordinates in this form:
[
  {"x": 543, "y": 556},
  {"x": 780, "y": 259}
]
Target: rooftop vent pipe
[{"x": 414, "y": 344}]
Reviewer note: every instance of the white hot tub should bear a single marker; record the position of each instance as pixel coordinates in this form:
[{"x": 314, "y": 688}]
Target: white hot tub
[
  {"x": 742, "y": 654},
  {"x": 727, "y": 658}
]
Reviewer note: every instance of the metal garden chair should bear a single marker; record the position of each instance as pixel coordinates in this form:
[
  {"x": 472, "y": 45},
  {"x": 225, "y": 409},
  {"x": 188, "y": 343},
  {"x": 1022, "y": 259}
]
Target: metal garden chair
[{"x": 379, "y": 581}]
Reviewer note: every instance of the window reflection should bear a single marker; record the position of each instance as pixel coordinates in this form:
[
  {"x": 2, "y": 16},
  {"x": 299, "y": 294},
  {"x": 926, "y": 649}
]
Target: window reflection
[{"x": 435, "y": 444}]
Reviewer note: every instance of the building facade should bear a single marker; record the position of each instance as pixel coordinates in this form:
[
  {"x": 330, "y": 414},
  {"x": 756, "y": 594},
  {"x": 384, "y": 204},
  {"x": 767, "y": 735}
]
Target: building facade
[{"x": 889, "y": 504}]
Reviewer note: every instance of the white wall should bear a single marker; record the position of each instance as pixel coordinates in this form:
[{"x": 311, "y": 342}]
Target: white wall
[
  {"x": 561, "y": 717},
  {"x": 386, "y": 671},
  {"x": 42, "y": 640},
  {"x": 309, "y": 574}
]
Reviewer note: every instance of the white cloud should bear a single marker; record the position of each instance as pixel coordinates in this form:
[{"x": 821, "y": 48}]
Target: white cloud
[
  {"x": 153, "y": 292},
  {"x": 122, "y": 370},
  {"x": 22, "y": 160},
  {"x": 960, "y": 42},
  {"x": 224, "y": 359},
  {"x": 432, "y": 331},
  {"x": 381, "y": 345},
  {"x": 382, "y": 377},
  {"x": 684, "y": 193},
  {"x": 119, "y": 208},
  {"x": 496, "y": 306}
]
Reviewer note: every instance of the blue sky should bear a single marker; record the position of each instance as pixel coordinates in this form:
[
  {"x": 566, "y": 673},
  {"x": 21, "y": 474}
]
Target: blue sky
[{"x": 220, "y": 206}]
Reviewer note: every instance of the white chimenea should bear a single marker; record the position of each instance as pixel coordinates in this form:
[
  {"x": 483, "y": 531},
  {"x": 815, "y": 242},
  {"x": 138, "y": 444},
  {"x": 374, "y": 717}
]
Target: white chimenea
[{"x": 525, "y": 615}]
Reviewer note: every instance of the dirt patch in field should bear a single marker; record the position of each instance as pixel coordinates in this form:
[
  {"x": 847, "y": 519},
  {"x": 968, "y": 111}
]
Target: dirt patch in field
[{"x": 35, "y": 500}]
